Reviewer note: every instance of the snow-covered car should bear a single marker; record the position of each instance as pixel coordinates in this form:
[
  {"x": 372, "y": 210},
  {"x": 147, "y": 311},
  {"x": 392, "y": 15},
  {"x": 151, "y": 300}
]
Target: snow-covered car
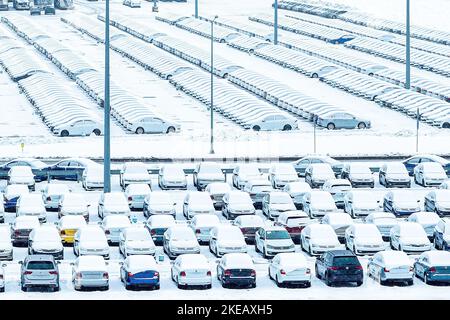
[
  {"x": 297, "y": 190},
  {"x": 429, "y": 174},
  {"x": 90, "y": 271},
  {"x": 338, "y": 188},
  {"x": 433, "y": 267},
  {"x": 270, "y": 240},
  {"x": 290, "y": 268},
  {"x": 438, "y": 201},
  {"x": 172, "y": 176},
  {"x": 22, "y": 175},
  {"x": 276, "y": 202},
  {"x": 390, "y": 267},
  {"x": 244, "y": 173},
  {"x": 318, "y": 203},
  {"x": 157, "y": 225},
  {"x": 394, "y": 174},
  {"x": 441, "y": 236},
  {"x": 77, "y": 127},
  {"x": 293, "y": 222},
  {"x": 236, "y": 269},
  {"x": 6, "y": 247},
  {"x": 135, "y": 194},
  {"x": 341, "y": 120},
  {"x": 134, "y": 172},
  {"x": 52, "y": 193},
  {"x": 339, "y": 221},
  {"x": 197, "y": 202},
  {"x": 364, "y": 238},
  {"x": 301, "y": 164},
  {"x": 227, "y": 239},
  {"x": 179, "y": 240},
  {"x": 2, "y": 279},
  {"x": 2, "y": 213},
  {"x": 206, "y": 173},
  {"x": 113, "y": 203},
  {"x": 113, "y": 225},
  {"x": 140, "y": 271},
  {"x": 136, "y": 240},
  {"x": 316, "y": 238},
  {"x": 191, "y": 270},
  {"x": 409, "y": 237},
  {"x": 249, "y": 224},
  {"x": 359, "y": 175},
  {"x": 401, "y": 202},
  {"x": 73, "y": 204},
  {"x": 21, "y": 228},
  {"x": 92, "y": 178},
  {"x": 359, "y": 203},
  {"x": 46, "y": 240},
  {"x": 445, "y": 185},
  {"x": 237, "y": 203},
  {"x": 91, "y": 240},
  {"x": 152, "y": 124},
  {"x": 12, "y": 194},
  {"x": 428, "y": 220},
  {"x": 316, "y": 174},
  {"x": 68, "y": 226},
  {"x": 217, "y": 190},
  {"x": 282, "y": 173},
  {"x": 257, "y": 189},
  {"x": 159, "y": 203},
  {"x": 31, "y": 204},
  {"x": 384, "y": 221},
  {"x": 202, "y": 224}
]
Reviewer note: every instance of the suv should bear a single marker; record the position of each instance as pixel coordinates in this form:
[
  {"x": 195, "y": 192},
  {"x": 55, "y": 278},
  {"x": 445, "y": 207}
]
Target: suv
[
  {"x": 40, "y": 270},
  {"x": 339, "y": 266}
]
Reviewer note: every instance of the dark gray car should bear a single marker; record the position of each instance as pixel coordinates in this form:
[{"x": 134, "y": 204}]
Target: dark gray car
[{"x": 39, "y": 271}]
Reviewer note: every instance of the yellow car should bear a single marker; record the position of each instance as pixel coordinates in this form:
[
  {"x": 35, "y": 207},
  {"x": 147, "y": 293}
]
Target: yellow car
[{"x": 68, "y": 226}]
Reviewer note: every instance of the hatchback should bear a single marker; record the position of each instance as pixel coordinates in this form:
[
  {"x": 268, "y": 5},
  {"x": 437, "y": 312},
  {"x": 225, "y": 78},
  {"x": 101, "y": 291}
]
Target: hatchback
[
  {"x": 339, "y": 266},
  {"x": 236, "y": 269},
  {"x": 39, "y": 271}
]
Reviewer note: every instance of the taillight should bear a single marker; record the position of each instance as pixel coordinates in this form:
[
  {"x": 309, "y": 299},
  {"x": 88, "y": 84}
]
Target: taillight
[
  {"x": 359, "y": 267},
  {"x": 105, "y": 275},
  {"x": 333, "y": 268},
  {"x": 253, "y": 273},
  {"x": 17, "y": 233},
  {"x": 282, "y": 272},
  {"x": 152, "y": 232},
  {"x": 130, "y": 274},
  {"x": 27, "y": 272},
  {"x": 198, "y": 231},
  {"x": 156, "y": 274},
  {"x": 432, "y": 269},
  {"x": 53, "y": 272},
  {"x": 182, "y": 274},
  {"x": 227, "y": 273},
  {"x": 386, "y": 270},
  {"x": 49, "y": 198},
  {"x": 107, "y": 232},
  {"x": 208, "y": 273},
  {"x": 130, "y": 198},
  {"x": 63, "y": 232}
]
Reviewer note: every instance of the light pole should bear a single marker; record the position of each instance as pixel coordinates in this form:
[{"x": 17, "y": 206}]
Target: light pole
[
  {"x": 211, "y": 150},
  {"x": 315, "y": 124},
  {"x": 107, "y": 111},
  {"x": 196, "y": 9},
  {"x": 408, "y": 49},
  {"x": 275, "y": 23},
  {"x": 417, "y": 130}
]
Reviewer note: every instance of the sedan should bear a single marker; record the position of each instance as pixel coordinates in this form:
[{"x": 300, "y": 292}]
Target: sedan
[
  {"x": 217, "y": 190},
  {"x": 146, "y": 124},
  {"x": 22, "y": 175},
  {"x": 179, "y": 240},
  {"x": 90, "y": 272},
  {"x": 244, "y": 173},
  {"x": 157, "y": 226},
  {"x": 338, "y": 188},
  {"x": 237, "y": 203},
  {"x": 236, "y": 269},
  {"x": 93, "y": 178},
  {"x": 68, "y": 226},
  {"x": 297, "y": 190},
  {"x": 196, "y": 202},
  {"x": 134, "y": 172},
  {"x": 227, "y": 239},
  {"x": 318, "y": 203},
  {"x": 341, "y": 120},
  {"x": 135, "y": 194},
  {"x": 441, "y": 235},
  {"x": 429, "y": 174},
  {"x": 318, "y": 238},
  {"x": 206, "y": 173},
  {"x": 249, "y": 224},
  {"x": 364, "y": 238},
  {"x": 394, "y": 174},
  {"x": 73, "y": 204},
  {"x": 409, "y": 237},
  {"x": 438, "y": 201},
  {"x": 290, "y": 269},
  {"x": 202, "y": 225},
  {"x": 12, "y": 194},
  {"x": 317, "y": 174},
  {"x": 270, "y": 240},
  {"x": 21, "y": 228},
  {"x": 358, "y": 174},
  {"x": 384, "y": 221},
  {"x": 433, "y": 267},
  {"x": 301, "y": 165},
  {"x": 412, "y": 162},
  {"x": 31, "y": 204},
  {"x": 134, "y": 240},
  {"x": 359, "y": 203},
  {"x": 276, "y": 202},
  {"x": 159, "y": 203},
  {"x": 293, "y": 222},
  {"x": 172, "y": 176},
  {"x": 78, "y": 127},
  {"x": 113, "y": 203},
  {"x": 113, "y": 225},
  {"x": 400, "y": 203},
  {"x": 390, "y": 267},
  {"x": 52, "y": 194},
  {"x": 339, "y": 221},
  {"x": 38, "y": 167},
  {"x": 140, "y": 271},
  {"x": 189, "y": 270},
  {"x": 282, "y": 173},
  {"x": 91, "y": 240}
]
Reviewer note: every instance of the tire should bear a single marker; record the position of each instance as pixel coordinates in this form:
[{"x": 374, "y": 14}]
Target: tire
[
  {"x": 328, "y": 281},
  {"x": 97, "y": 132},
  {"x": 170, "y": 130},
  {"x": 359, "y": 283},
  {"x": 256, "y": 128},
  {"x": 279, "y": 285},
  {"x": 425, "y": 279},
  {"x": 410, "y": 282},
  {"x": 140, "y": 130},
  {"x": 127, "y": 286},
  {"x": 256, "y": 248},
  {"x": 287, "y": 127},
  {"x": 361, "y": 125},
  {"x": 64, "y": 133},
  {"x": 318, "y": 276},
  {"x": 331, "y": 126},
  {"x": 446, "y": 125},
  {"x": 382, "y": 282},
  {"x": 264, "y": 254},
  {"x": 314, "y": 75}
]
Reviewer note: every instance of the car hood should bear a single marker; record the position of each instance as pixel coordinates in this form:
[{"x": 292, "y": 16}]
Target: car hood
[
  {"x": 47, "y": 245},
  {"x": 161, "y": 207},
  {"x": 184, "y": 243},
  {"x": 369, "y": 241},
  {"x": 136, "y": 177},
  {"x": 200, "y": 207},
  {"x": 281, "y": 207},
  {"x": 94, "y": 245},
  {"x": 241, "y": 207},
  {"x": 6, "y": 246},
  {"x": 415, "y": 240},
  {"x": 211, "y": 176},
  {"x": 361, "y": 176},
  {"x": 433, "y": 175},
  {"x": 230, "y": 243},
  {"x": 140, "y": 244},
  {"x": 280, "y": 242},
  {"x": 324, "y": 242}
]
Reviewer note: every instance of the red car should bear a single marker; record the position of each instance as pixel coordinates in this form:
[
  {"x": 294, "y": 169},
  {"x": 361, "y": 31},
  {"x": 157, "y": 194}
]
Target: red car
[
  {"x": 293, "y": 222},
  {"x": 249, "y": 224}
]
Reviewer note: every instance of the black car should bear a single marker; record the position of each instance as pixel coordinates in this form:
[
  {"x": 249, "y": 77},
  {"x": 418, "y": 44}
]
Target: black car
[
  {"x": 339, "y": 266},
  {"x": 236, "y": 270}
]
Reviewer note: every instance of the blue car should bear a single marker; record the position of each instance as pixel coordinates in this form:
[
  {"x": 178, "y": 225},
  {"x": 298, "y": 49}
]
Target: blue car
[
  {"x": 11, "y": 194},
  {"x": 341, "y": 120},
  {"x": 38, "y": 167},
  {"x": 70, "y": 169},
  {"x": 303, "y": 163},
  {"x": 413, "y": 161},
  {"x": 433, "y": 267},
  {"x": 441, "y": 235},
  {"x": 140, "y": 271}
]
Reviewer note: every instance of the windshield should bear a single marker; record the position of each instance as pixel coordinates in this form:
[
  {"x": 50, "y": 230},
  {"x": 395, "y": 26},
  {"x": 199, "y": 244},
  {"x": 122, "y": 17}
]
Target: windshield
[
  {"x": 366, "y": 232},
  {"x": 210, "y": 169},
  {"x": 47, "y": 235},
  {"x": 321, "y": 197},
  {"x": 293, "y": 222},
  {"x": 404, "y": 196},
  {"x": 286, "y": 170},
  {"x": 184, "y": 234},
  {"x": 363, "y": 197},
  {"x": 230, "y": 233},
  {"x": 396, "y": 168},
  {"x": 136, "y": 170},
  {"x": 249, "y": 171},
  {"x": 160, "y": 198},
  {"x": 384, "y": 220},
  {"x": 174, "y": 171},
  {"x": 280, "y": 198},
  {"x": 138, "y": 235},
  {"x": 277, "y": 234},
  {"x": 94, "y": 235},
  {"x": 346, "y": 261},
  {"x": 73, "y": 200},
  {"x": 40, "y": 265},
  {"x": 240, "y": 198}
]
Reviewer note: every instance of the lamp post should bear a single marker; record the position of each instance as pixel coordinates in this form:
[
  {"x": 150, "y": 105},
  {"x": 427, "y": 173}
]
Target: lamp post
[
  {"x": 196, "y": 9},
  {"x": 211, "y": 150},
  {"x": 314, "y": 132},
  {"x": 408, "y": 49},
  {"x": 275, "y": 23},
  {"x": 107, "y": 111}
]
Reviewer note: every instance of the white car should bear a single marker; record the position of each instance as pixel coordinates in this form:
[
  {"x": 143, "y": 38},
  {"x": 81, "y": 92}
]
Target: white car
[
  {"x": 297, "y": 190},
  {"x": 11, "y": 195},
  {"x": 196, "y": 202},
  {"x": 179, "y": 240},
  {"x": 338, "y": 188},
  {"x": 31, "y": 204},
  {"x": 150, "y": 124},
  {"x": 276, "y": 202},
  {"x": 318, "y": 203},
  {"x": 135, "y": 194},
  {"x": 249, "y": 224},
  {"x": 390, "y": 266},
  {"x": 136, "y": 240},
  {"x": 359, "y": 175},
  {"x": 257, "y": 190},
  {"x": 445, "y": 184},
  {"x": 21, "y": 228},
  {"x": 191, "y": 270},
  {"x": 77, "y": 127},
  {"x": 217, "y": 190},
  {"x": 90, "y": 271},
  {"x": 6, "y": 247},
  {"x": 282, "y": 173},
  {"x": 401, "y": 202},
  {"x": 113, "y": 225},
  {"x": 68, "y": 226},
  {"x": 91, "y": 240},
  {"x": 244, "y": 173},
  {"x": 339, "y": 221},
  {"x": 73, "y": 204},
  {"x": 317, "y": 238},
  {"x": 438, "y": 201},
  {"x": 92, "y": 178},
  {"x": 134, "y": 172},
  {"x": 158, "y": 224},
  {"x": 364, "y": 238},
  {"x": 237, "y": 203},
  {"x": 159, "y": 203},
  {"x": 270, "y": 240},
  {"x": 429, "y": 174},
  {"x": 172, "y": 176},
  {"x": 428, "y": 220},
  {"x": 52, "y": 193},
  {"x": 384, "y": 221},
  {"x": 290, "y": 268},
  {"x": 227, "y": 239},
  {"x": 202, "y": 224},
  {"x": 22, "y": 175},
  {"x": 46, "y": 240},
  {"x": 113, "y": 203},
  {"x": 316, "y": 174},
  {"x": 359, "y": 203},
  {"x": 206, "y": 173},
  {"x": 394, "y": 174},
  {"x": 409, "y": 237}
]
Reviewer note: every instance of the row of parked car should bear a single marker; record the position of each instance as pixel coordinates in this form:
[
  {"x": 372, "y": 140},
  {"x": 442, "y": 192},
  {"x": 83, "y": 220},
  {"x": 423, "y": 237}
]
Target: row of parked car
[{"x": 324, "y": 9}]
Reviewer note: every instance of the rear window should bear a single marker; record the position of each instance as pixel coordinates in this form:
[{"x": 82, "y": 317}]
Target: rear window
[
  {"x": 346, "y": 261},
  {"x": 40, "y": 265}
]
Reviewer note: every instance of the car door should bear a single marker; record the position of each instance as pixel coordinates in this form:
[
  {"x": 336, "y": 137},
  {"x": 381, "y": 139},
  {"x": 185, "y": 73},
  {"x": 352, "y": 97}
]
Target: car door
[{"x": 320, "y": 264}]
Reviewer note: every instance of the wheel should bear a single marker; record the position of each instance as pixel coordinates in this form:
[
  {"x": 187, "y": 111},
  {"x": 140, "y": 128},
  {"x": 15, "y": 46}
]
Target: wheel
[
  {"x": 310, "y": 250},
  {"x": 157, "y": 287},
  {"x": 331, "y": 126},
  {"x": 140, "y": 130},
  {"x": 171, "y": 130},
  {"x": 64, "y": 133},
  {"x": 270, "y": 275},
  {"x": 425, "y": 279},
  {"x": 287, "y": 127},
  {"x": 359, "y": 283},
  {"x": 410, "y": 282},
  {"x": 446, "y": 125},
  {"x": 318, "y": 276},
  {"x": 328, "y": 281},
  {"x": 256, "y": 248},
  {"x": 256, "y": 128},
  {"x": 279, "y": 285},
  {"x": 314, "y": 75},
  {"x": 24, "y": 289},
  {"x": 127, "y": 286},
  {"x": 97, "y": 132},
  {"x": 265, "y": 254},
  {"x": 361, "y": 125}
]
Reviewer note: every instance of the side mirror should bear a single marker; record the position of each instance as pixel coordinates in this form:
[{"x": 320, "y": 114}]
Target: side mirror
[
  {"x": 4, "y": 265},
  {"x": 20, "y": 262},
  {"x": 418, "y": 201},
  {"x": 72, "y": 264},
  {"x": 121, "y": 263},
  {"x": 107, "y": 263},
  {"x": 88, "y": 205},
  {"x": 99, "y": 223}
]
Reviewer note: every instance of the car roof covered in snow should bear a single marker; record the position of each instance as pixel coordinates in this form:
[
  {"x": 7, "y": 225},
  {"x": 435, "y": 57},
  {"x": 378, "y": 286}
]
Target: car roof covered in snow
[
  {"x": 438, "y": 258},
  {"x": 238, "y": 261}
]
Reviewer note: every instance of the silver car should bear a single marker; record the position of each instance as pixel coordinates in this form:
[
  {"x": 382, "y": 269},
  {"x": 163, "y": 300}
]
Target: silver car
[
  {"x": 90, "y": 272},
  {"x": 39, "y": 271}
]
